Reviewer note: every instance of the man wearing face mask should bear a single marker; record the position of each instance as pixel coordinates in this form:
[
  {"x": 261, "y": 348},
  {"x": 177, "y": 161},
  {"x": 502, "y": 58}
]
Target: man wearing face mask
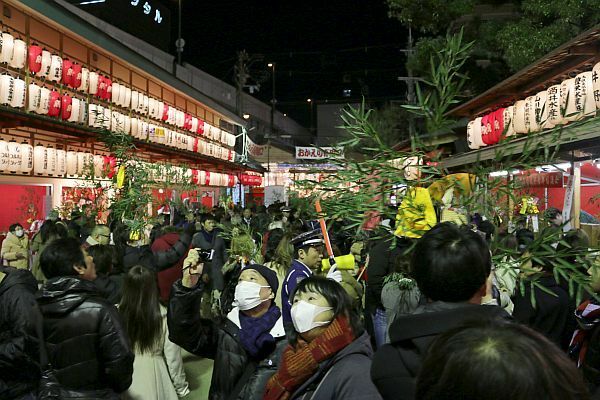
[
  {"x": 246, "y": 345},
  {"x": 15, "y": 248}
]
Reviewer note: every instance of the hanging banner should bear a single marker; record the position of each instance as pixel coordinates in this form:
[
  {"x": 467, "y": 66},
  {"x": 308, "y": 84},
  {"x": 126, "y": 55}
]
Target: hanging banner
[
  {"x": 318, "y": 153},
  {"x": 254, "y": 149},
  {"x": 568, "y": 203},
  {"x": 543, "y": 179}
]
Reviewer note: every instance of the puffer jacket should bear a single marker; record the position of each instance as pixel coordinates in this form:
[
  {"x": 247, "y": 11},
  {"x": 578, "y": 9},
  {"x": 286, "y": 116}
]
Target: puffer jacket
[
  {"x": 87, "y": 346},
  {"x": 219, "y": 341},
  {"x": 13, "y": 245},
  {"x": 19, "y": 355}
]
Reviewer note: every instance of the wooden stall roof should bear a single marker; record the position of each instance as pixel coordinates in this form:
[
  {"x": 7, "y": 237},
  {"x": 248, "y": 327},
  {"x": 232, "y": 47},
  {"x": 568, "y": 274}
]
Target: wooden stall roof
[{"x": 573, "y": 57}]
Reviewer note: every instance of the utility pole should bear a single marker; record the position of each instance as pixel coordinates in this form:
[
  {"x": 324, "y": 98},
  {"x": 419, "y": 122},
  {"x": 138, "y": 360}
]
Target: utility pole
[
  {"x": 241, "y": 77},
  {"x": 411, "y": 90},
  {"x": 179, "y": 43}
]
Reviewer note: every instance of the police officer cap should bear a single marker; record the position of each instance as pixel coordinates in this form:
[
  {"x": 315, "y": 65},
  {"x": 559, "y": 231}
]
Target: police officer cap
[{"x": 311, "y": 238}]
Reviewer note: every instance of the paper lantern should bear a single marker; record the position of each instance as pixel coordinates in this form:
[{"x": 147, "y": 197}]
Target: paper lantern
[
  {"x": 567, "y": 97},
  {"x": 486, "y": 129},
  {"x": 77, "y": 76},
  {"x": 83, "y": 166},
  {"x": 44, "y": 101},
  {"x": 55, "y": 68},
  {"x": 98, "y": 166},
  {"x": 4, "y": 155},
  {"x": 541, "y": 110},
  {"x": 200, "y": 130},
  {"x": 213, "y": 179},
  {"x": 74, "y": 115},
  {"x": 412, "y": 169},
  {"x": 127, "y": 124},
  {"x": 187, "y": 121},
  {"x": 67, "y": 72},
  {"x": 85, "y": 80},
  {"x": 7, "y": 89},
  {"x": 145, "y": 105},
  {"x": 232, "y": 140},
  {"x": 507, "y": 118},
  {"x": 172, "y": 116},
  {"x": 94, "y": 81},
  {"x": 54, "y": 104},
  {"x": 194, "y": 125},
  {"x": 144, "y": 130},
  {"x": 179, "y": 118},
  {"x": 116, "y": 87},
  {"x": 165, "y": 113},
  {"x": 231, "y": 156},
  {"x": 101, "y": 92},
  {"x": 18, "y": 98},
  {"x": 596, "y": 84},
  {"x": 34, "y": 58},
  {"x": 92, "y": 115},
  {"x": 471, "y": 135},
  {"x": 72, "y": 160},
  {"x": 152, "y": 106},
  {"x": 19, "y": 55},
  {"x": 163, "y": 135},
  {"x": 61, "y": 162},
  {"x": 135, "y": 127},
  {"x": 40, "y": 160},
  {"x": 114, "y": 118},
  {"x": 530, "y": 122},
  {"x": 46, "y": 64},
  {"x": 52, "y": 162},
  {"x": 519, "y": 117},
  {"x": 122, "y": 95},
  {"x": 14, "y": 155},
  {"x": 6, "y": 47},
  {"x": 33, "y": 97},
  {"x": 584, "y": 95},
  {"x": 190, "y": 143},
  {"x": 26, "y": 158},
  {"x": 135, "y": 101},
  {"x": 108, "y": 92},
  {"x": 83, "y": 111},
  {"x": 66, "y": 106}
]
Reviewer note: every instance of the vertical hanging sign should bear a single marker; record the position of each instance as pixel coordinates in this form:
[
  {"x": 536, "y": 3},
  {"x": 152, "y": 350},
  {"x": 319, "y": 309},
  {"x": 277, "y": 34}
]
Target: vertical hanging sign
[{"x": 568, "y": 203}]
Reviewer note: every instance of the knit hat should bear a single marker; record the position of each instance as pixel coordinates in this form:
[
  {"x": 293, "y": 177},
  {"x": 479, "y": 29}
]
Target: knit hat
[{"x": 268, "y": 274}]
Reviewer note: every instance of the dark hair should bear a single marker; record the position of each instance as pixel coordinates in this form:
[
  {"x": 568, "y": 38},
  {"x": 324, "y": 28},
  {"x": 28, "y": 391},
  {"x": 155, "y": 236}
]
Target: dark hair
[
  {"x": 275, "y": 236},
  {"x": 575, "y": 243},
  {"x": 551, "y": 213},
  {"x": 14, "y": 227},
  {"x": 47, "y": 230},
  {"x": 60, "y": 256},
  {"x": 337, "y": 298},
  {"x": 103, "y": 256},
  {"x": 140, "y": 308},
  {"x": 450, "y": 263},
  {"x": 497, "y": 360},
  {"x": 207, "y": 217},
  {"x": 488, "y": 228}
]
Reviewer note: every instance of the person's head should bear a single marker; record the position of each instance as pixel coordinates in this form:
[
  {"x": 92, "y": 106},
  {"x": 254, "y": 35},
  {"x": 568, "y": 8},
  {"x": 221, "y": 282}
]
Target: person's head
[
  {"x": 103, "y": 256},
  {"x": 47, "y": 230},
  {"x": 101, "y": 234},
  {"x": 488, "y": 229},
  {"x": 64, "y": 257},
  {"x": 140, "y": 308},
  {"x": 273, "y": 240},
  {"x": 316, "y": 302},
  {"x": 554, "y": 216},
  {"x": 575, "y": 243},
  {"x": 283, "y": 255},
  {"x": 451, "y": 264},
  {"x": 208, "y": 222},
  {"x": 497, "y": 360},
  {"x": 236, "y": 219},
  {"x": 247, "y": 213},
  {"x": 17, "y": 230},
  {"x": 256, "y": 289},
  {"x": 308, "y": 248}
]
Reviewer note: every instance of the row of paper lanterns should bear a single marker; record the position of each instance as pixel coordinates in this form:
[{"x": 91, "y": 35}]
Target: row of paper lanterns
[
  {"x": 22, "y": 158},
  {"x": 44, "y": 64},
  {"x": 573, "y": 99}
]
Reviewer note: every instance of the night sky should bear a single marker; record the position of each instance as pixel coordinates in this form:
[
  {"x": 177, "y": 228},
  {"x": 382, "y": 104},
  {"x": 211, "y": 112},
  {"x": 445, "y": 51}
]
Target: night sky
[{"x": 320, "y": 47}]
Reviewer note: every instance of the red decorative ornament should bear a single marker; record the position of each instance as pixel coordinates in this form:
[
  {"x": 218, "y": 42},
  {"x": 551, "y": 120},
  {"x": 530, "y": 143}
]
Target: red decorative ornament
[
  {"x": 67, "y": 72},
  {"x": 207, "y": 178},
  {"x": 54, "y": 104},
  {"x": 498, "y": 127},
  {"x": 200, "y": 130},
  {"x": 107, "y": 89},
  {"x": 66, "y": 104},
  {"x": 187, "y": 124}
]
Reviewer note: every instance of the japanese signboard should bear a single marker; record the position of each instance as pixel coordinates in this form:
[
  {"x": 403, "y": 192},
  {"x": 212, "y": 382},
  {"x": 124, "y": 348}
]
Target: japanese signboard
[
  {"x": 543, "y": 179},
  {"x": 318, "y": 153}
]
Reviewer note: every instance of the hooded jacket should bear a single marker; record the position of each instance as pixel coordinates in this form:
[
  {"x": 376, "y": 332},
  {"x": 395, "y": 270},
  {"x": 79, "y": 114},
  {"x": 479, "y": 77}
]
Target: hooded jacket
[
  {"x": 219, "y": 341},
  {"x": 86, "y": 344},
  {"x": 396, "y": 365},
  {"x": 13, "y": 245},
  {"x": 342, "y": 376},
  {"x": 19, "y": 369}
]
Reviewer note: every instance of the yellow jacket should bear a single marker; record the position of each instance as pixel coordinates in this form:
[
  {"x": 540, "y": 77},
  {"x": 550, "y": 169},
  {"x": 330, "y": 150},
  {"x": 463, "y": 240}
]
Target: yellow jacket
[
  {"x": 13, "y": 245},
  {"x": 416, "y": 214}
]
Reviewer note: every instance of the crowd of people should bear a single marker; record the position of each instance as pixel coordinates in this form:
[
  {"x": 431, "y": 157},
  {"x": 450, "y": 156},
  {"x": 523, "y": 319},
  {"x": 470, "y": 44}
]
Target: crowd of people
[{"x": 287, "y": 311}]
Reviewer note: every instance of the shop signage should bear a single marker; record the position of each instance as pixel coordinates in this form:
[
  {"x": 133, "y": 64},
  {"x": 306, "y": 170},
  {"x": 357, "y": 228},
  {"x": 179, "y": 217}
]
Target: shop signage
[
  {"x": 318, "y": 153},
  {"x": 543, "y": 179},
  {"x": 254, "y": 149}
]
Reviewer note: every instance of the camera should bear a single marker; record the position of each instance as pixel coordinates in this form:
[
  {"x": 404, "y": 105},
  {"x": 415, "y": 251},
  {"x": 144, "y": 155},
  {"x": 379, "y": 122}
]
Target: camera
[{"x": 205, "y": 254}]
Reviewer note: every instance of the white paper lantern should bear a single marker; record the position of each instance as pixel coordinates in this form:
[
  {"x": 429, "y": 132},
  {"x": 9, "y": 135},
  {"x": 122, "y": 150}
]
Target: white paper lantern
[
  {"x": 55, "y": 68},
  {"x": 530, "y": 123},
  {"x": 72, "y": 160},
  {"x": 180, "y": 118},
  {"x": 122, "y": 96},
  {"x": 82, "y": 164},
  {"x": 135, "y": 100},
  {"x": 93, "y": 82},
  {"x": 40, "y": 160},
  {"x": 46, "y": 64},
  {"x": 172, "y": 116},
  {"x": 194, "y": 127},
  {"x": 507, "y": 117},
  {"x": 7, "y": 89},
  {"x": 231, "y": 140},
  {"x": 127, "y": 122},
  {"x": 75, "y": 104},
  {"x": 596, "y": 84},
  {"x": 33, "y": 98},
  {"x": 214, "y": 179},
  {"x": 6, "y": 47},
  {"x": 15, "y": 159},
  {"x": 51, "y": 154},
  {"x": 116, "y": 87},
  {"x": 146, "y": 104},
  {"x": 106, "y": 120},
  {"x": 44, "y": 101},
  {"x": 114, "y": 116},
  {"x": 145, "y": 131},
  {"x": 26, "y": 158},
  {"x": 61, "y": 162},
  {"x": 135, "y": 127},
  {"x": 541, "y": 110},
  {"x": 4, "y": 155},
  {"x": 98, "y": 166},
  {"x": 584, "y": 95},
  {"x": 83, "y": 111},
  {"x": 19, "y": 55},
  {"x": 567, "y": 96},
  {"x": 18, "y": 98},
  {"x": 152, "y": 106},
  {"x": 92, "y": 114},
  {"x": 85, "y": 80},
  {"x": 519, "y": 117}
]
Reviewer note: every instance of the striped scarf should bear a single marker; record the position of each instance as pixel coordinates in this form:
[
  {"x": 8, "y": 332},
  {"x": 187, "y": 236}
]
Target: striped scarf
[
  {"x": 588, "y": 318},
  {"x": 300, "y": 363}
]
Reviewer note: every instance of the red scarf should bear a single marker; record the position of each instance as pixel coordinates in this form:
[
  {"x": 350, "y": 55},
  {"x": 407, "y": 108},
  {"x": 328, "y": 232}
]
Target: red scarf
[{"x": 300, "y": 363}]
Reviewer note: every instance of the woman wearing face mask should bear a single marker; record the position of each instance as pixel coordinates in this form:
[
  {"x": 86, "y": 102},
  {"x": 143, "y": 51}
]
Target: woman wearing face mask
[
  {"x": 15, "y": 248},
  {"x": 329, "y": 355},
  {"x": 245, "y": 345}
]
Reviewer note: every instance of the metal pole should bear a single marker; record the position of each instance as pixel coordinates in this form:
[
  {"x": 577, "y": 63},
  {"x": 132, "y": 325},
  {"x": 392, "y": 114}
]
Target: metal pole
[
  {"x": 272, "y": 132},
  {"x": 179, "y": 48}
]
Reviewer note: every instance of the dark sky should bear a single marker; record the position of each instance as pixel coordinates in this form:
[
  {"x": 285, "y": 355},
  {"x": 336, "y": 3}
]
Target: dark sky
[{"x": 320, "y": 47}]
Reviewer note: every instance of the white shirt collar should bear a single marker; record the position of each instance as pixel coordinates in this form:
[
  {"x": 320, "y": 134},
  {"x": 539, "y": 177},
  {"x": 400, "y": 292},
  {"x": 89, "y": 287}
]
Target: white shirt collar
[{"x": 276, "y": 331}]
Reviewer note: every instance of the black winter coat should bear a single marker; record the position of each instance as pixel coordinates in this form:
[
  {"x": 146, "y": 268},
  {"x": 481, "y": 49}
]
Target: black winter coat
[
  {"x": 159, "y": 260},
  {"x": 87, "y": 346},
  {"x": 19, "y": 354},
  {"x": 215, "y": 272},
  {"x": 396, "y": 365},
  {"x": 219, "y": 341}
]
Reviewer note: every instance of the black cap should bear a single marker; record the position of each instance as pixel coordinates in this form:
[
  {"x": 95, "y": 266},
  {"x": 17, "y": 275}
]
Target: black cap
[
  {"x": 311, "y": 238},
  {"x": 267, "y": 273}
]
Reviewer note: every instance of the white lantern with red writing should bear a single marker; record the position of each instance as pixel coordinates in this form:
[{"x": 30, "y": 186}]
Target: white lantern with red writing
[
  {"x": 40, "y": 160},
  {"x": 61, "y": 162},
  {"x": 26, "y": 158},
  {"x": 584, "y": 95}
]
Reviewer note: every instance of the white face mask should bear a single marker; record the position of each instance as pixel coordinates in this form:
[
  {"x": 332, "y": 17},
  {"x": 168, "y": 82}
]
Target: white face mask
[
  {"x": 247, "y": 295},
  {"x": 19, "y": 233},
  {"x": 303, "y": 316}
]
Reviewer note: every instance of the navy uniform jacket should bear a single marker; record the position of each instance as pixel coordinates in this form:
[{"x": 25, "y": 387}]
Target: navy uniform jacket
[{"x": 298, "y": 271}]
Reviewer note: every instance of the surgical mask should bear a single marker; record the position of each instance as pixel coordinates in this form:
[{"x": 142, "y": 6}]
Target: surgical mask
[
  {"x": 303, "y": 316},
  {"x": 247, "y": 295},
  {"x": 19, "y": 233}
]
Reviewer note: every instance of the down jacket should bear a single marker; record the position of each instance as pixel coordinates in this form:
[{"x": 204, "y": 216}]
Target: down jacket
[
  {"x": 19, "y": 356},
  {"x": 87, "y": 346},
  {"x": 219, "y": 341},
  {"x": 13, "y": 245}
]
